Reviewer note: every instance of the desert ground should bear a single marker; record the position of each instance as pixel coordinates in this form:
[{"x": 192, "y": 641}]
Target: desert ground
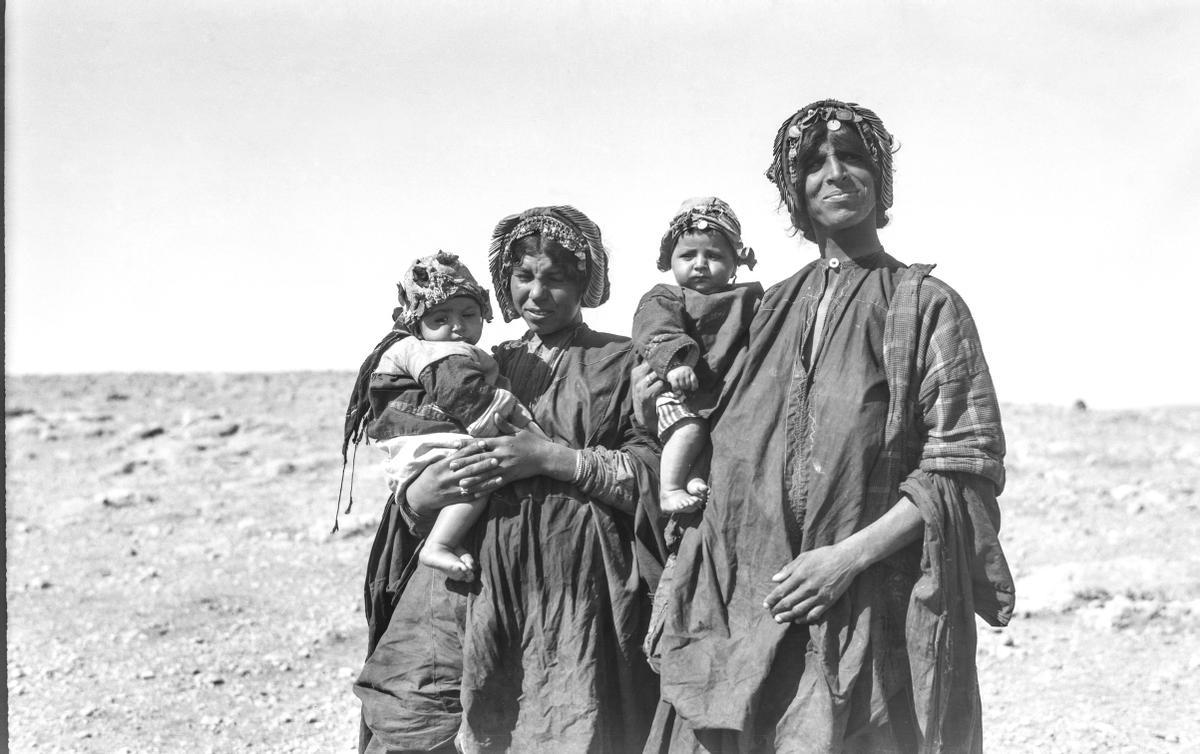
[{"x": 172, "y": 582}]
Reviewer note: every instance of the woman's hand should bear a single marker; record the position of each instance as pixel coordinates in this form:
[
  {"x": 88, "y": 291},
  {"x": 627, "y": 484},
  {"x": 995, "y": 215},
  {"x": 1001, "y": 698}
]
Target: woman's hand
[
  {"x": 646, "y": 387},
  {"x": 811, "y": 583},
  {"x": 438, "y": 484},
  {"x": 493, "y": 462},
  {"x": 816, "y": 579}
]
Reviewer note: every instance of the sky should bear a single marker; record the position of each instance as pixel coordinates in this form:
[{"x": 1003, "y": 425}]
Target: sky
[{"x": 237, "y": 186}]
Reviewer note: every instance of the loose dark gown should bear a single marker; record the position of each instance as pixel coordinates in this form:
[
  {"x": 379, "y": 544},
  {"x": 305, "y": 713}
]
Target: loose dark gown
[
  {"x": 808, "y": 448},
  {"x": 545, "y": 654}
]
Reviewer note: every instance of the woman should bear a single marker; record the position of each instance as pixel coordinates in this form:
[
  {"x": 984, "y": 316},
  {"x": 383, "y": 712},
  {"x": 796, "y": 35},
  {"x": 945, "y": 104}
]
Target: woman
[
  {"x": 545, "y": 654},
  {"x": 826, "y": 601}
]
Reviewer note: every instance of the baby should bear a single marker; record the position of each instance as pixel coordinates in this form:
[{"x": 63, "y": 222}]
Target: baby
[
  {"x": 691, "y": 334},
  {"x": 460, "y": 390}
]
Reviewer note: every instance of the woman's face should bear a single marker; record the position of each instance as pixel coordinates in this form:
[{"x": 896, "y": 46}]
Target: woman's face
[
  {"x": 546, "y": 294},
  {"x": 839, "y": 187}
]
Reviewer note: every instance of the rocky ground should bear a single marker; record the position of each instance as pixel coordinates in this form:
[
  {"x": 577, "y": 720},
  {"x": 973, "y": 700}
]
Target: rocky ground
[{"x": 172, "y": 582}]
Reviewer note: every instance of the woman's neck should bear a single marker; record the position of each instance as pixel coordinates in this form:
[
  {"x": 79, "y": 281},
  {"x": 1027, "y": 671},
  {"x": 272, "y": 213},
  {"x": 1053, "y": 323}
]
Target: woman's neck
[
  {"x": 855, "y": 243},
  {"x": 561, "y": 335}
]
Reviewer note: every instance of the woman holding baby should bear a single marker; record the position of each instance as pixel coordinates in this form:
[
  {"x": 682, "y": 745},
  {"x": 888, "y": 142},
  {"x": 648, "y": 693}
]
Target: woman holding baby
[{"x": 544, "y": 654}]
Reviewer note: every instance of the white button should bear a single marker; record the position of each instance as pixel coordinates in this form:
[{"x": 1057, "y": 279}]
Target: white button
[{"x": 834, "y": 263}]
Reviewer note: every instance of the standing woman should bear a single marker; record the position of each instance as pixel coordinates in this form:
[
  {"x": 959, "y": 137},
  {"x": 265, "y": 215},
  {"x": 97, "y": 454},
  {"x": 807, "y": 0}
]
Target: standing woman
[
  {"x": 827, "y": 601},
  {"x": 545, "y": 655}
]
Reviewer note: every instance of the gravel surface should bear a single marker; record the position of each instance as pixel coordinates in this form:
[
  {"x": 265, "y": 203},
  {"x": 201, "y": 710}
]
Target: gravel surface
[{"x": 173, "y": 583}]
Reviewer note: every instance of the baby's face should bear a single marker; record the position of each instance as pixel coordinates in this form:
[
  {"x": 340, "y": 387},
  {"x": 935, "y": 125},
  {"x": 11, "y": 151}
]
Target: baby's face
[
  {"x": 457, "y": 319},
  {"x": 703, "y": 261}
]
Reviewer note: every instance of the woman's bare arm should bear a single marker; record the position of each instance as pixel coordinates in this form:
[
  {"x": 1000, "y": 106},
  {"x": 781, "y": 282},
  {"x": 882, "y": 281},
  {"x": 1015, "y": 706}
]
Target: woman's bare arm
[{"x": 812, "y": 582}]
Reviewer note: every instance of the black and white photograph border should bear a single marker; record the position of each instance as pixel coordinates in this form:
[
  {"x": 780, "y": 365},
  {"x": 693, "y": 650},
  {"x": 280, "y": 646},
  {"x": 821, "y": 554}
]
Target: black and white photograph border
[{"x": 209, "y": 206}]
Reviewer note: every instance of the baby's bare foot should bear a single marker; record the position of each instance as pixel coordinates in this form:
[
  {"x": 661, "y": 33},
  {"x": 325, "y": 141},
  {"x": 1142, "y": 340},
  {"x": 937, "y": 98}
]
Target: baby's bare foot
[
  {"x": 448, "y": 562},
  {"x": 460, "y": 572},
  {"x": 678, "y": 501},
  {"x": 698, "y": 489}
]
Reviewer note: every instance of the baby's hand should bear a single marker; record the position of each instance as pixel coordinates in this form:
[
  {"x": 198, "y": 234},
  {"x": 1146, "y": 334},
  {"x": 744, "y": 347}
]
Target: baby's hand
[{"x": 683, "y": 379}]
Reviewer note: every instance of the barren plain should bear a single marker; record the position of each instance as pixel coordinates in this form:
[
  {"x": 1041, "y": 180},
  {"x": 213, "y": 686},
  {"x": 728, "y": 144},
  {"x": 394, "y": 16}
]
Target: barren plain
[{"x": 172, "y": 582}]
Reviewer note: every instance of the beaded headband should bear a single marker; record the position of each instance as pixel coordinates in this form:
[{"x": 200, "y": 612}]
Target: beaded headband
[
  {"x": 785, "y": 171},
  {"x": 702, "y": 214},
  {"x": 571, "y": 229}
]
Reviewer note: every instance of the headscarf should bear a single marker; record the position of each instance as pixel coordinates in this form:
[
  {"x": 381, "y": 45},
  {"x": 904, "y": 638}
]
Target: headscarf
[
  {"x": 433, "y": 280},
  {"x": 702, "y": 213},
  {"x": 784, "y": 171},
  {"x": 572, "y": 230}
]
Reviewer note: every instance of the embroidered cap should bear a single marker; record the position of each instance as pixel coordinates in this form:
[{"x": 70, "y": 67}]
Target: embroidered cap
[
  {"x": 433, "y": 280},
  {"x": 701, "y": 213}
]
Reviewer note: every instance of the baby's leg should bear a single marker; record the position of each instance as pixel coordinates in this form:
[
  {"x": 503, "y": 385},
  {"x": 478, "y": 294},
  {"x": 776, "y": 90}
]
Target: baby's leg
[
  {"x": 442, "y": 548},
  {"x": 683, "y": 445}
]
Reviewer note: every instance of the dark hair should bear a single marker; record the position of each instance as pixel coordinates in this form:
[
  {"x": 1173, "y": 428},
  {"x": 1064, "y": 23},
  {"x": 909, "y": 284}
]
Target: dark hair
[
  {"x": 559, "y": 256},
  {"x": 813, "y": 138}
]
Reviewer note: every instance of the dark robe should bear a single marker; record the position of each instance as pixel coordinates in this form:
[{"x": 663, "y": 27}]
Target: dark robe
[
  {"x": 706, "y": 331},
  {"x": 809, "y": 448},
  {"x": 544, "y": 653}
]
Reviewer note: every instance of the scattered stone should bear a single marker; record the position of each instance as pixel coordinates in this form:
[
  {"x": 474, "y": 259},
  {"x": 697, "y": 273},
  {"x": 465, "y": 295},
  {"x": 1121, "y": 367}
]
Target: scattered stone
[
  {"x": 1135, "y": 507},
  {"x": 145, "y": 431},
  {"x": 1079, "y": 405},
  {"x": 125, "y": 467},
  {"x": 1121, "y": 613},
  {"x": 189, "y": 417},
  {"x": 15, "y": 411},
  {"x": 1154, "y": 497},
  {"x": 123, "y": 498},
  {"x": 146, "y": 675},
  {"x": 115, "y": 396},
  {"x": 281, "y": 468},
  {"x": 1123, "y": 491}
]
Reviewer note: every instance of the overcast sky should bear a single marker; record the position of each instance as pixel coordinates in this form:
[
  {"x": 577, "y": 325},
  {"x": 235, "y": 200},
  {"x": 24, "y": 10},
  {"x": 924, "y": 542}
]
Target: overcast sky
[{"x": 236, "y": 186}]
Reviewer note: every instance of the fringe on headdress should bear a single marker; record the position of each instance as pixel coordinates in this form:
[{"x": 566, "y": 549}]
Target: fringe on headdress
[
  {"x": 358, "y": 410},
  {"x": 565, "y": 224},
  {"x": 783, "y": 170}
]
